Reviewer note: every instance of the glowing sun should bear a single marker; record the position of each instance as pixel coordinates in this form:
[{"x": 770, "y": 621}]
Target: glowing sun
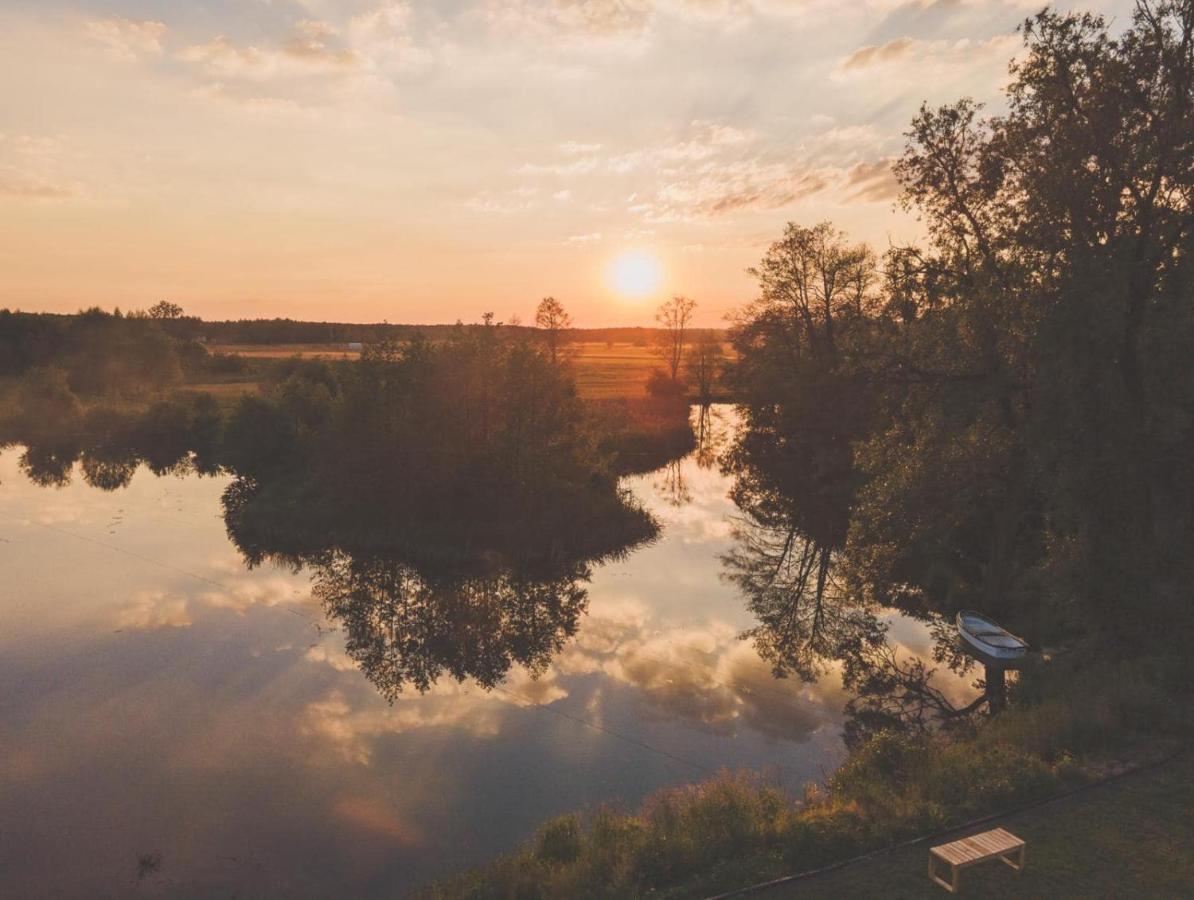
[{"x": 635, "y": 275}]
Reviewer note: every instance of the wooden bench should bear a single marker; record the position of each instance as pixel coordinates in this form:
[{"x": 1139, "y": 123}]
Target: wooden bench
[{"x": 969, "y": 851}]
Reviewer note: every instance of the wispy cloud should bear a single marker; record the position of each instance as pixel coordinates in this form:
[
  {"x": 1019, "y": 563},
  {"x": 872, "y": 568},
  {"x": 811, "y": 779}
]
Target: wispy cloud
[
  {"x": 34, "y": 167},
  {"x": 871, "y": 182},
  {"x": 976, "y": 54},
  {"x": 871, "y": 54},
  {"x": 127, "y": 39},
  {"x": 309, "y": 49}
]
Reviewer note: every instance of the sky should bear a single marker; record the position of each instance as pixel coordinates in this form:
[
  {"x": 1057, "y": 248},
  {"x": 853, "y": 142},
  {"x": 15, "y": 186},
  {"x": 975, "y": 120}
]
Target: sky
[{"x": 405, "y": 161}]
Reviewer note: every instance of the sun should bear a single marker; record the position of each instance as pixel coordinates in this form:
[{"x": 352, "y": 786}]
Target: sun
[{"x": 635, "y": 275}]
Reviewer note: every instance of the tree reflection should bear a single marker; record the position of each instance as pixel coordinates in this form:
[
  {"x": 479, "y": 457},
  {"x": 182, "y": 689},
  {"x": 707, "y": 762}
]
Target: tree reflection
[
  {"x": 711, "y": 437},
  {"x": 895, "y": 692},
  {"x": 804, "y": 620},
  {"x": 404, "y": 627},
  {"x": 49, "y": 464},
  {"x": 468, "y": 596},
  {"x": 784, "y": 562},
  {"x": 672, "y": 486}
]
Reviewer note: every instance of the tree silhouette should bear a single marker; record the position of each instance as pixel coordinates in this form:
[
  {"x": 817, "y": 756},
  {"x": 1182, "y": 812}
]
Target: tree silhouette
[
  {"x": 554, "y": 320},
  {"x": 674, "y": 316}
]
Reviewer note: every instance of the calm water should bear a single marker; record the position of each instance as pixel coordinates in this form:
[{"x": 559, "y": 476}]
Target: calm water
[{"x": 163, "y": 704}]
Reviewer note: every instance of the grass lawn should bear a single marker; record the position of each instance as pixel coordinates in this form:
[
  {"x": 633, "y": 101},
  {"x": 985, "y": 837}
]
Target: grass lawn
[{"x": 1131, "y": 838}]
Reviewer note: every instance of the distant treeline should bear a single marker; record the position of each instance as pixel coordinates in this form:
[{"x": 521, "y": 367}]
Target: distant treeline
[
  {"x": 293, "y": 331},
  {"x": 99, "y": 352},
  {"x": 484, "y": 408}
]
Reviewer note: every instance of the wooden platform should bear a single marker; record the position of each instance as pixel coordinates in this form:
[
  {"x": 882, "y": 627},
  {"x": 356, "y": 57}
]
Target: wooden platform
[{"x": 970, "y": 851}]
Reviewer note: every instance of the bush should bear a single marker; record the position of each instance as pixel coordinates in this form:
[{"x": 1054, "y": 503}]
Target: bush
[
  {"x": 47, "y": 408},
  {"x": 559, "y": 840},
  {"x": 226, "y": 364}
]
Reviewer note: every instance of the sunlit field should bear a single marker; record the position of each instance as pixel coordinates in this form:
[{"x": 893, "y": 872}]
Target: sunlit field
[{"x": 604, "y": 370}]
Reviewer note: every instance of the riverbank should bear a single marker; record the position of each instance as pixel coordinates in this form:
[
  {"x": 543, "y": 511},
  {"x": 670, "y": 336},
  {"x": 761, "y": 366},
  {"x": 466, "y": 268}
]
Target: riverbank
[
  {"x": 1130, "y": 837},
  {"x": 1071, "y": 721}
]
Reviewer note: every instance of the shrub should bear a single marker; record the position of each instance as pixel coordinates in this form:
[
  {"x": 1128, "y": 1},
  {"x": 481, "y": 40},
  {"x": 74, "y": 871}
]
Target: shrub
[{"x": 559, "y": 840}]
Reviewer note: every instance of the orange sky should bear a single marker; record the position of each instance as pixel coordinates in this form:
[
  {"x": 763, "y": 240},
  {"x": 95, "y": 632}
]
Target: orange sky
[{"x": 362, "y": 160}]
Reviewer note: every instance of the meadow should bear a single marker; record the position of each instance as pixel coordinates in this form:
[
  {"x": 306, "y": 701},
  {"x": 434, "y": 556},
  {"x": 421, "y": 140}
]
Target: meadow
[{"x": 604, "y": 370}]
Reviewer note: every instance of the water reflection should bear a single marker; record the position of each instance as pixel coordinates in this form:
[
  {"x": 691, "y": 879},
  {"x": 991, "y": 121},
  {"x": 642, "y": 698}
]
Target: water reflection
[
  {"x": 787, "y": 534},
  {"x": 166, "y": 699},
  {"x": 403, "y": 627}
]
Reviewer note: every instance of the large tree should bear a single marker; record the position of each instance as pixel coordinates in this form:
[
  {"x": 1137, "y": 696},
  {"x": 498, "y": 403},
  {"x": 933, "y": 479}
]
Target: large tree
[{"x": 1042, "y": 407}]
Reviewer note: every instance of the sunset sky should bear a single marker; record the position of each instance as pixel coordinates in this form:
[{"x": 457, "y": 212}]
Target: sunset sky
[{"x": 359, "y": 160}]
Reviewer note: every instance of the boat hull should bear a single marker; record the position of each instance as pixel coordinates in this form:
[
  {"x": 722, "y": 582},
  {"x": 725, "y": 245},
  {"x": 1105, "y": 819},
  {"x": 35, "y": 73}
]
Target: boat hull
[{"x": 989, "y": 639}]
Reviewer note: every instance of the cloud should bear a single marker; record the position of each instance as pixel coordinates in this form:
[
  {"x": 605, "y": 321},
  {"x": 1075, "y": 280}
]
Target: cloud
[
  {"x": 310, "y": 49},
  {"x": 734, "y": 187},
  {"x": 574, "y": 148},
  {"x": 515, "y": 200},
  {"x": 708, "y": 676},
  {"x": 711, "y": 171},
  {"x": 18, "y": 184},
  {"x": 32, "y": 167},
  {"x": 149, "y": 610},
  {"x": 570, "y": 19},
  {"x": 239, "y": 593},
  {"x": 966, "y": 52},
  {"x": 718, "y": 170},
  {"x": 127, "y": 39},
  {"x": 259, "y": 104},
  {"x": 873, "y": 54},
  {"x": 703, "y": 674},
  {"x": 603, "y": 17},
  {"x": 871, "y": 182},
  {"x": 383, "y": 40},
  {"x": 352, "y": 727}
]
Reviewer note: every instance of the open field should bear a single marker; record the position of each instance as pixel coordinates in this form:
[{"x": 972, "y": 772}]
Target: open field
[
  {"x": 603, "y": 370},
  {"x": 1130, "y": 838},
  {"x": 286, "y": 351}
]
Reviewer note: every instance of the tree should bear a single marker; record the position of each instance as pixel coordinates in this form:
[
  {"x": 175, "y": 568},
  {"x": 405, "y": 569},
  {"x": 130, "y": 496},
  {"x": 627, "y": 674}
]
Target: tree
[
  {"x": 164, "y": 309},
  {"x": 674, "y": 315},
  {"x": 801, "y": 347},
  {"x": 1037, "y": 414},
  {"x": 554, "y": 320},
  {"x": 812, "y": 279},
  {"x": 704, "y": 364}
]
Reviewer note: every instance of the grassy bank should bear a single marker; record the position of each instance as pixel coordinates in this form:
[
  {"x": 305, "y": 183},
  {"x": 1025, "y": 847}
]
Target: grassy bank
[
  {"x": 1132, "y": 837},
  {"x": 737, "y": 830}
]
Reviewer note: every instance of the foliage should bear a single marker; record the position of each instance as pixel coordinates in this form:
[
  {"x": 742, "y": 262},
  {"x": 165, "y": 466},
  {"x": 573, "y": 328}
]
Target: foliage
[
  {"x": 1032, "y": 446},
  {"x": 675, "y": 316},
  {"x": 1004, "y": 421},
  {"x": 553, "y": 319},
  {"x": 102, "y": 353},
  {"x": 705, "y": 363}
]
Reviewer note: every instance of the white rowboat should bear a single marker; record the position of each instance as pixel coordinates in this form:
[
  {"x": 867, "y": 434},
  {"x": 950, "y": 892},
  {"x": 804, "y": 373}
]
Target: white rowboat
[{"x": 988, "y": 637}]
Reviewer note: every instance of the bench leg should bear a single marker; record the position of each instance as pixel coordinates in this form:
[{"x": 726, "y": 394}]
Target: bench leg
[
  {"x": 952, "y": 884},
  {"x": 1019, "y": 865}
]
